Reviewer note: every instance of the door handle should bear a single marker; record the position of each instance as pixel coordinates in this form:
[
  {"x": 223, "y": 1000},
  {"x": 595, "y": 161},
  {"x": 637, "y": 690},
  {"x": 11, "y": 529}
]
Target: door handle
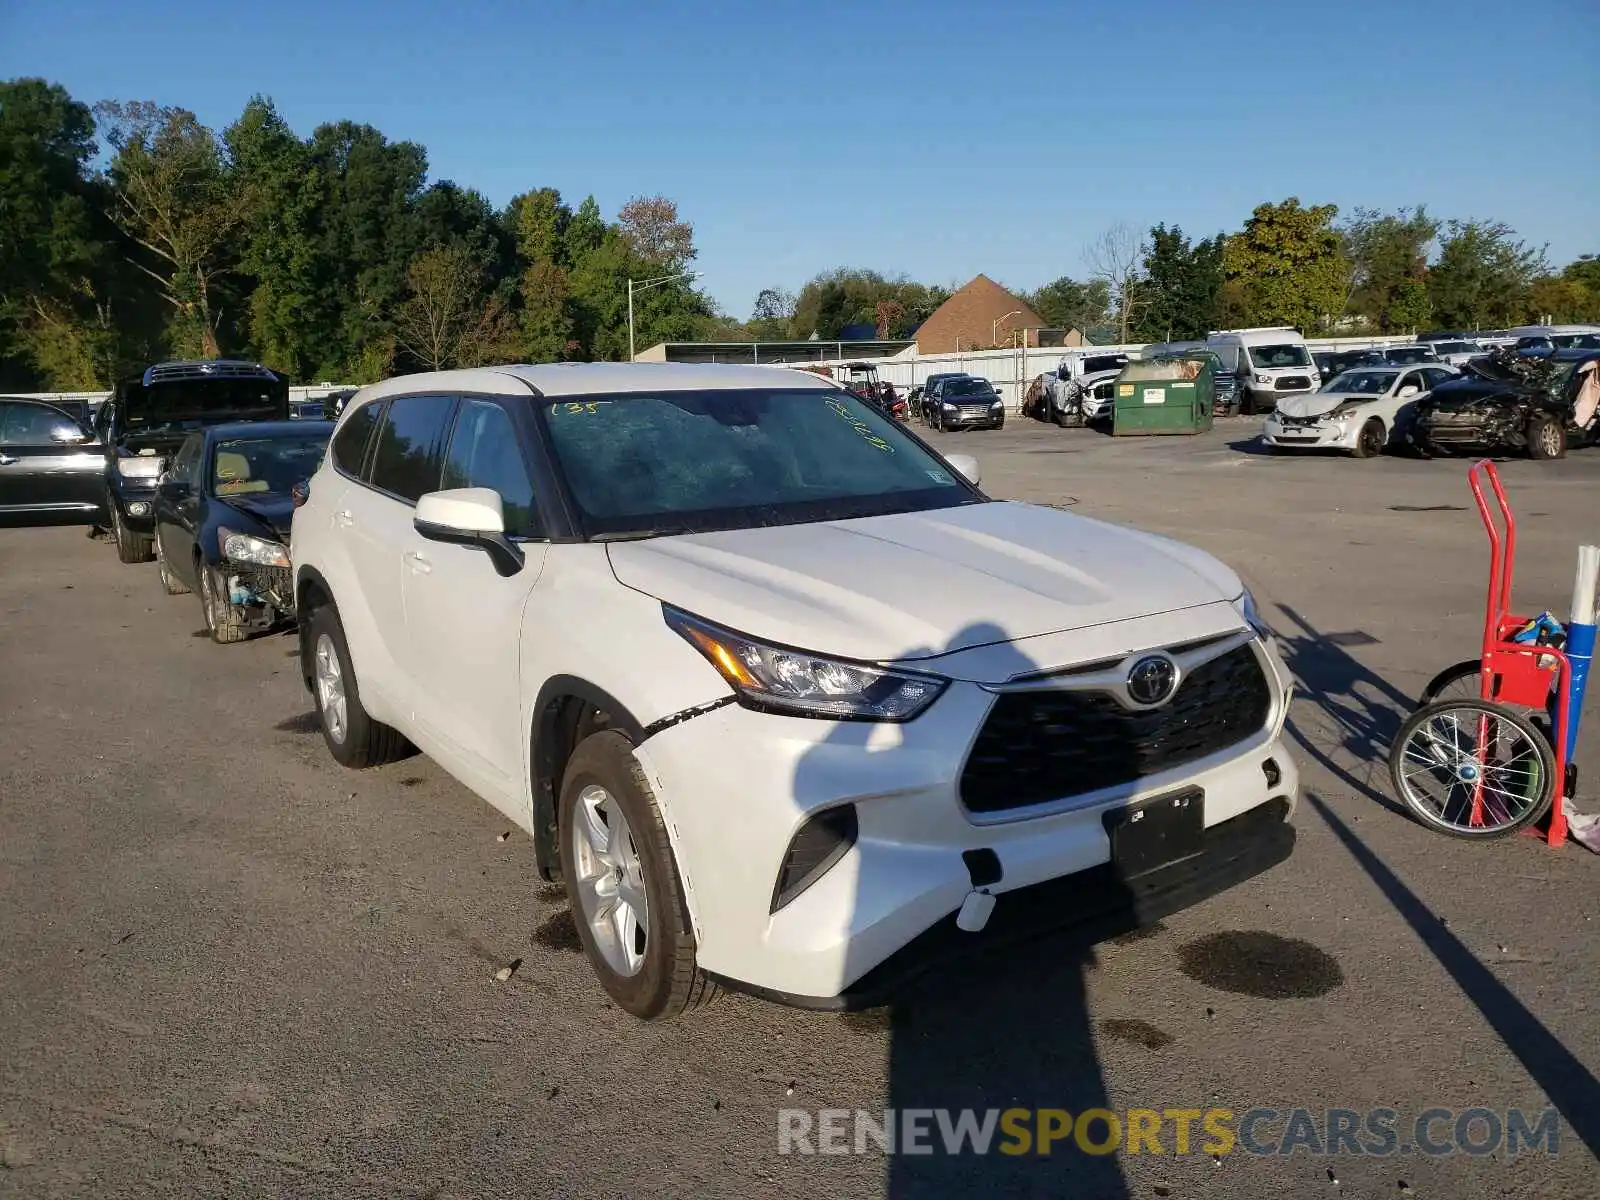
[
  {"x": 418, "y": 564},
  {"x": 344, "y": 517}
]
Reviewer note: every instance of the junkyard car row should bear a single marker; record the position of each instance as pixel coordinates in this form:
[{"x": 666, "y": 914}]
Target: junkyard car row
[
  {"x": 653, "y": 615},
  {"x": 658, "y": 617}
]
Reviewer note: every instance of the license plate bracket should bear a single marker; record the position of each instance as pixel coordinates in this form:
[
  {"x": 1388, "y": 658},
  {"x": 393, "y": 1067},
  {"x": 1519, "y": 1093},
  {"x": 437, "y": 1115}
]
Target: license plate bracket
[{"x": 1155, "y": 833}]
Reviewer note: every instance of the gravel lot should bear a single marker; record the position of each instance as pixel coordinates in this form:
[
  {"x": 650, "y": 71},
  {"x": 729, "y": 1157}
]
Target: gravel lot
[{"x": 229, "y": 968}]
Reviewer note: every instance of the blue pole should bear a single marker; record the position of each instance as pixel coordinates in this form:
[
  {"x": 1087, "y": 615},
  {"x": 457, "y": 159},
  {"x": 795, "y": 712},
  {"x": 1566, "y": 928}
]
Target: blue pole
[{"x": 1580, "y": 650}]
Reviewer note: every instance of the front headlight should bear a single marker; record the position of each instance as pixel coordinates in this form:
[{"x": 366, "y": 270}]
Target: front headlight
[
  {"x": 998, "y": 404},
  {"x": 806, "y": 685},
  {"x": 146, "y": 467},
  {"x": 242, "y": 547},
  {"x": 1263, "y": 378},
  {"x": 948, "y": 407},
  {"x": 1246, "y": 604}
]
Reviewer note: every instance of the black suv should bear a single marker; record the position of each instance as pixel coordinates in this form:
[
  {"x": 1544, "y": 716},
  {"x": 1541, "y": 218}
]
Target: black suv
[
  {"x": 967, "y": 403},
  {"x": 147, "y": 419}
]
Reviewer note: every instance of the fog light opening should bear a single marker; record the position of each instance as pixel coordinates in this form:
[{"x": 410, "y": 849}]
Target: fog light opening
[
  {"x": 138, "y": 508},
  {"x": 1272, "y": 771},
  {"x": 822, "y": 841}
]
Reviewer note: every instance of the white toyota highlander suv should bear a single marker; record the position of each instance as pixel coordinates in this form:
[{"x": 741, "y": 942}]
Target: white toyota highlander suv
[{"x": 785, "y": 700}]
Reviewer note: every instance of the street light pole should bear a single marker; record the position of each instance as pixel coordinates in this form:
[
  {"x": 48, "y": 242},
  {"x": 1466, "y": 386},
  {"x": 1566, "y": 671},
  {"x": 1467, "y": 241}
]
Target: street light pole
[{"x": 639, "y": 285}]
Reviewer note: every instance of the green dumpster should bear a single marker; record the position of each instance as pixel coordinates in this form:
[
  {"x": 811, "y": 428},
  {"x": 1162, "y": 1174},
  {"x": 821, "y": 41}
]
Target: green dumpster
[{"x": 1164, "y": 395}]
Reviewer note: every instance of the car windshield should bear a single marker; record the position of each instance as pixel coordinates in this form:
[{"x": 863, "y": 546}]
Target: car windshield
[
  {"x": 1409, "y": 354},
  {"x": 968, "y": 387},
  {"x": 1287, "y": 355},
  {"x": 638, "y": 465},
  {"x": 1104, "y": 362},
  {"x": 1361, "y": 383},
  {"x": 253, "y": 465},
  {"x": 1577, "y": 341}
]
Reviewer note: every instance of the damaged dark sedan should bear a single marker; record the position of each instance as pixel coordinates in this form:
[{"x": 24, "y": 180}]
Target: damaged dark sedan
[
  {"x": 1513, "y": 403},
  {"x": 223, "y": 511},
  {"x": 148, "y": 417}
]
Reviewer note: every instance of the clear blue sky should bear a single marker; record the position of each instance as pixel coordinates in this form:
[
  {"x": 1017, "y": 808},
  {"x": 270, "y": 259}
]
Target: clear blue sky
[{"x": 928, "y": 137}]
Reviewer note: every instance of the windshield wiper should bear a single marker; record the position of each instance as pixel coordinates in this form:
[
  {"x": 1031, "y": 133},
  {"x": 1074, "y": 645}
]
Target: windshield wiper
[{"x": 639, "y": 535}]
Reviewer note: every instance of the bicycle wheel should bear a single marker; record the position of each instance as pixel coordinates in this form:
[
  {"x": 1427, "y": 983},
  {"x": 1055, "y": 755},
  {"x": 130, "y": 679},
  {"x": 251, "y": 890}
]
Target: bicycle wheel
[
  {"x": 1458, "y": 682},
  {"x": 1472, "y": 769}
]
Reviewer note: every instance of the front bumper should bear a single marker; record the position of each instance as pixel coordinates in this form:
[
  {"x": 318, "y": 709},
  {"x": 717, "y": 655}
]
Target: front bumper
[
  {"x": 988, "y": 420},
  {"x": 736, "y": 785},
  {"x": 1323, "y": 434},
  {"x": 136, "y": 505}
]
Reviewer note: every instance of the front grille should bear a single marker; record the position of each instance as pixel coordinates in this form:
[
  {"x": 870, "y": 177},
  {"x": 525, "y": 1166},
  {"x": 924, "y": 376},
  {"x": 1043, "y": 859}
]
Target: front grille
[
  {"x": 1037, "y": 747},
  {"x": 275, "y": 584},
  {"x": 1289, "y": 383},
  {"x": 1298, "y": 422},
  {"x": 975, "y": 412},
  {"x": 211, "y": 369}
]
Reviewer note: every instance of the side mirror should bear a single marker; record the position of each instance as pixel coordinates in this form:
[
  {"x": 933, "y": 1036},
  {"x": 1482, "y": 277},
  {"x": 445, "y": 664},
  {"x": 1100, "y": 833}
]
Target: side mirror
[
  {"x": 68, "y": 435},
  {"x": 300, "y": 492},
  {"x": 469, "y": 517},
  {"x": 1408, "y": 391},
  {"x": 967, "y": 465},
  {"x": 171, "y": 487}
]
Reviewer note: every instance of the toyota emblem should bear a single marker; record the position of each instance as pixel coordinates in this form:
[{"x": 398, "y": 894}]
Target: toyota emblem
[{"x": 1152, "y": 680}]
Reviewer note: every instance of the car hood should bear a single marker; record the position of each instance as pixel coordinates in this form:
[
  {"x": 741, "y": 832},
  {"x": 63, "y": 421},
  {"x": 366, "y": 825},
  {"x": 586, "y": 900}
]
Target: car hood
[
  {"x": 918, "y": 585},
  {"x": 1316, "y": 404},
  {"x": 274, "y": 510}
]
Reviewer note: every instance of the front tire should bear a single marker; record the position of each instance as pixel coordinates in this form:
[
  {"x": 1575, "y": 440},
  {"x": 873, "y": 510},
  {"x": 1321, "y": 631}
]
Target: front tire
[
  {"x": 1547, "y": 437},
  {"x": 354, "y": 739},
  {"x": 622, "y": 882},
  {"x": 131, "y": 547},
  {"x": 1369, "y": 442}
]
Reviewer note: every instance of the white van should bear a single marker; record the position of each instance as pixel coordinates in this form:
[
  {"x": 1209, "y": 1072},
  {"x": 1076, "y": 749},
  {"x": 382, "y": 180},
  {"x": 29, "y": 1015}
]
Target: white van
[{"x": 1268, "y": 362}]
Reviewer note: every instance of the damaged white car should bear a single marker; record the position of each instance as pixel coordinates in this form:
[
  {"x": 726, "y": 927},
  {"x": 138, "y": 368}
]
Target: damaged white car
[
  {"x": 1362, "y": 412},
  {"x": 784, "y": 699}
]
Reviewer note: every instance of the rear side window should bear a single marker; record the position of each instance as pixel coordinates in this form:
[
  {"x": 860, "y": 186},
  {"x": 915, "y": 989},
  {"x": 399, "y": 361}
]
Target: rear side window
[
  {"x": 410, "y": 449},
  {"x": 349, "y": 448},
  {"x": 485, "y": 452}
]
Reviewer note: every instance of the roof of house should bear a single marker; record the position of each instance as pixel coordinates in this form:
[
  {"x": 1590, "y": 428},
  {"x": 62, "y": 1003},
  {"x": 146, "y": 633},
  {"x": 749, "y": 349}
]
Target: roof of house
[{"x": 971, "y": 315}]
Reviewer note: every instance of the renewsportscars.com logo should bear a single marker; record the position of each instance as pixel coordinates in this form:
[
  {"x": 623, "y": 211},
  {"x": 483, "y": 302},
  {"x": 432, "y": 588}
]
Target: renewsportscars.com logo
[{"x": 1375, "y": 1132}]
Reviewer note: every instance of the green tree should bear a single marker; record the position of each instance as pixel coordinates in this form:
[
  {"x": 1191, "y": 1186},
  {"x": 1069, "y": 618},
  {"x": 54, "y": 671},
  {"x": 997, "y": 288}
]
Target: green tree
[
  {"x": 69, "y": 316},
  {"x": 452, "y": 317},
  {"x": 294, "y": 307},
  {"x": 1067, "y": 303},
  {"x": 175, "y": 200},
  {"x": 538, "y": 222},
  {"x": 1289, "y": 265},
  {"x": 1181, "y": 287},
  {"x": 851, "y": 296},
  {"x": 548, "y": 327},
  {"x": 1561, "y": 299},
  {"x": 774, "y": 310},
  {"x": 365, "y": 237},
  {"x": 1483, "y": 274},
  {"x": 1388, "y": 261}
]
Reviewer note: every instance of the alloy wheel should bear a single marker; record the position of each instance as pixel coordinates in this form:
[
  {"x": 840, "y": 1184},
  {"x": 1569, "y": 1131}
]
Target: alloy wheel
[
  {"x": 610, "y": 880},
  {"x": 1550, "y": 439},
  {"x": 328, "y": 676}
]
